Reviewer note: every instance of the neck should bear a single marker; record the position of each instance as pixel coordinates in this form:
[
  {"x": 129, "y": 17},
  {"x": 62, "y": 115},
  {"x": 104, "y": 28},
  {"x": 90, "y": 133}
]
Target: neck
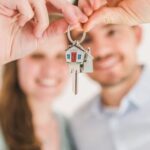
[
  {"x": 45, "y": 124},
  {"x": 41, "y": 111},
  {"x": 112, "y": 96}
]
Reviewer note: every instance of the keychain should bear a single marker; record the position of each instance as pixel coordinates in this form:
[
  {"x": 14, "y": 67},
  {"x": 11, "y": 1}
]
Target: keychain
[{"x": 79, "y": 59}]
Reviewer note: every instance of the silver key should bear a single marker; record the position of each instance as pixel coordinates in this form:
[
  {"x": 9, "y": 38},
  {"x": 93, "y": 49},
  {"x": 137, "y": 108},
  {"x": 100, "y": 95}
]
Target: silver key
[
  {"x": 78, "y": 59},
  {"x": 75, "y": 81},
  {"x": 74, "y": 70}
]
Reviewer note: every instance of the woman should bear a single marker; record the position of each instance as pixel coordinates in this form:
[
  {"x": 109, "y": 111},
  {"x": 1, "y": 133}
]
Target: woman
[{"x": 29, "y": 87}]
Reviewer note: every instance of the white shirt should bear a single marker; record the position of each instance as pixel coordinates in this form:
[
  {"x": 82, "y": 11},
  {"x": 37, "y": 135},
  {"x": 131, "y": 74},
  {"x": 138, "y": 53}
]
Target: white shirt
[{"x": 127, "y": 128}]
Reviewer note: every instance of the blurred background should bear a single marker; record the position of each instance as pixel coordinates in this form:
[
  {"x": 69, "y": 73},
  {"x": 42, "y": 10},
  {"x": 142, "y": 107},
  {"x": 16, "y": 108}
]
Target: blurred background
[{"x": 68, "y": 103}]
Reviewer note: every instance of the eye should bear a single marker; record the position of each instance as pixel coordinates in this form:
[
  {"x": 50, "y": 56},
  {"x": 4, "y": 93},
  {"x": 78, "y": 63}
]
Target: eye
[
  {"x": 111, "y": 33},
  {"x": 37, "y": 56},
  {"x": 87, "y": 40},
  {"x": 60, "y": 57}
]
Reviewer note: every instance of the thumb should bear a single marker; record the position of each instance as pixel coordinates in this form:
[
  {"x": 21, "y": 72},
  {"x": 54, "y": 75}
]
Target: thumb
[{"x": 110, "y": 15}]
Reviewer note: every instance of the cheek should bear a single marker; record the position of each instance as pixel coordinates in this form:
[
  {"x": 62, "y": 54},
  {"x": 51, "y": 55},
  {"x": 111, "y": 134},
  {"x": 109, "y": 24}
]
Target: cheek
[
  {"x": 64, "y": 73},
  {"x": 27, "y": 75},
  {"x": 128, "y": 48},
  {"x": 61, "y": 74}
]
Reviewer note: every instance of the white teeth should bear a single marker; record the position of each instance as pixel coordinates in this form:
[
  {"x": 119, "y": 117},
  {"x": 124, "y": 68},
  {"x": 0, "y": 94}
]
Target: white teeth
[
  {"x": 48, "y": 82},
  {"x": 108, "y": 63}
]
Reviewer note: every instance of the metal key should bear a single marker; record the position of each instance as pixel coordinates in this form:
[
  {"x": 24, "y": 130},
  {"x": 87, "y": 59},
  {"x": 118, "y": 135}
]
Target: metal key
[
  {"x": 74, "y": 70},
  {"x": 75, "y": 81},
  {"x": 78, "y": 59}
]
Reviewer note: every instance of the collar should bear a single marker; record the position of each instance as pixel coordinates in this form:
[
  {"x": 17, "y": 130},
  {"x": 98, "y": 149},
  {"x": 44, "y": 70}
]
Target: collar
[
  {"x": 139, "y": 95},
  {"x": 136, "y": 98}
]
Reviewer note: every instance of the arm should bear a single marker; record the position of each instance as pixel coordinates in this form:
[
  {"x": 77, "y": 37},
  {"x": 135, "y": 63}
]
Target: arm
[
  {"x": 128, "y": 12},
  {"x": 23, "y": 22}
]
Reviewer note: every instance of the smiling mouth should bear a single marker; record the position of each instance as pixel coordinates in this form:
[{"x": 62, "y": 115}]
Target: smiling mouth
[
  {"x": 106, "y": 63},
  {"x": 48, "y": 83}
]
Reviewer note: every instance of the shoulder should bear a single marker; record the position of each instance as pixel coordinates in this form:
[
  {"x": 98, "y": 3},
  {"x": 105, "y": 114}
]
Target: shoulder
[
  {"x": 61, "y": 121},
  {"x": 66, "y": 142},
  {"x": 84, "y": 112}
]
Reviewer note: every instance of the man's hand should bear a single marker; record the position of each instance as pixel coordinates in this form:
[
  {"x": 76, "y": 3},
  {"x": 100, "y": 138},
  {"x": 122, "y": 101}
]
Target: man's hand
[
  {"x": 23, "y": 22},
  {"x": 129, "y": 12}
]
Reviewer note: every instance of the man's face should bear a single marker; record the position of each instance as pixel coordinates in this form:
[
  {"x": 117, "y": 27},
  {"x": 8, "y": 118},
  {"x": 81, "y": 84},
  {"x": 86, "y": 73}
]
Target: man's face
[{"x": 114, "y": 48}]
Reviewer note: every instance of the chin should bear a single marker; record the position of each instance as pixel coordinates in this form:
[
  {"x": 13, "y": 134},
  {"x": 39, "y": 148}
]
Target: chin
[
  {"x": 112, "y": 80},
  {"x": 46, "y": 98},
  {"x": 107, "y": 80},
  {"x": 109, "y": 83},
  {"x": 47, "y": 95}
]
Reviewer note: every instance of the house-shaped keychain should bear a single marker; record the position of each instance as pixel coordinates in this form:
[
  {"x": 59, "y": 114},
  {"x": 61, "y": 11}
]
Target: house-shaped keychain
[{"x": 79, "y": 58}]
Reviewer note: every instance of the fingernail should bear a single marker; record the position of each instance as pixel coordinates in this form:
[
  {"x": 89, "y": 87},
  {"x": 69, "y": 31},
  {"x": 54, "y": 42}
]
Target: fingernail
[
  {"x": 88, "y": 11},
  {"x": 84, "y": 19}
]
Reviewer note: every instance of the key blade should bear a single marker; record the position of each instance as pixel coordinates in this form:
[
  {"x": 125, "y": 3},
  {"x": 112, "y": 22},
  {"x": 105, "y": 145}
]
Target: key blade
[{"x": 75, "y": 82}]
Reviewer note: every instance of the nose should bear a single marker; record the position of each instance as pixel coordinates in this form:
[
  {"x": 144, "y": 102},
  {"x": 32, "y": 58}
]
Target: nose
[
  {"x": 102, "y": 48},
  {"x": 50, "y": 68}
]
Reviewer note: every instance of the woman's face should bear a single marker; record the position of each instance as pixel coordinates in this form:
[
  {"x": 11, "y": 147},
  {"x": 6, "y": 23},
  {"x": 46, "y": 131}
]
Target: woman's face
[{"x": 42, "y": 75}]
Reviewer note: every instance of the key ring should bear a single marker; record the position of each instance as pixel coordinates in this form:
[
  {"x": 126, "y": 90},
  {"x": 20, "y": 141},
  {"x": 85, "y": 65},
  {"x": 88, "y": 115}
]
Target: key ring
[{"x": 70, "y": 38}]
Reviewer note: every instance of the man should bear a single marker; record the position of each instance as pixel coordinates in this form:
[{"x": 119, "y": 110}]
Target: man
[{"x": 118, "y": 117}]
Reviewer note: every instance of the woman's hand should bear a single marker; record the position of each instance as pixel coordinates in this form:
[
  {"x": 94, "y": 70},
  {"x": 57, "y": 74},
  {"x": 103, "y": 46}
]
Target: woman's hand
[{"x": 23, "y": 22}]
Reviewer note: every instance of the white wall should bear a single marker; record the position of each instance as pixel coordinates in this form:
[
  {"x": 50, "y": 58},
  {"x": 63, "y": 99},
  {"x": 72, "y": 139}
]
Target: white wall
[
  {"x": 68, "y": 102},
  {"x": 144, "y": 49}
]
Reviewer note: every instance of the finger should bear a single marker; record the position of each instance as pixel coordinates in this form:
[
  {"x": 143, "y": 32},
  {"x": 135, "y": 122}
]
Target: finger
[
  {"x": 57, "y": 27},
  {"x": 77, "y": 27},
  {"x": 52, "y": 9},
  {"x": 110, "y": 16},
  {"x": 79, "y": 15},
  {"x": 26, "y": 12},
  {"x": 85, "y": 7},
  {"x": 73, "y": 15},
  {"x": 42, "y": 18},
  {"x": 69, "y": 11},
  {"x": 96, "y": 4},
  {"x": 7, "y": 11}
]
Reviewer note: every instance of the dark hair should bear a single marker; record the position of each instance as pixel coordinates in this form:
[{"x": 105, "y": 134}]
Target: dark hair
[
  {"x": 15, "y": 114},
  {"x": 76, "y": 2}
]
